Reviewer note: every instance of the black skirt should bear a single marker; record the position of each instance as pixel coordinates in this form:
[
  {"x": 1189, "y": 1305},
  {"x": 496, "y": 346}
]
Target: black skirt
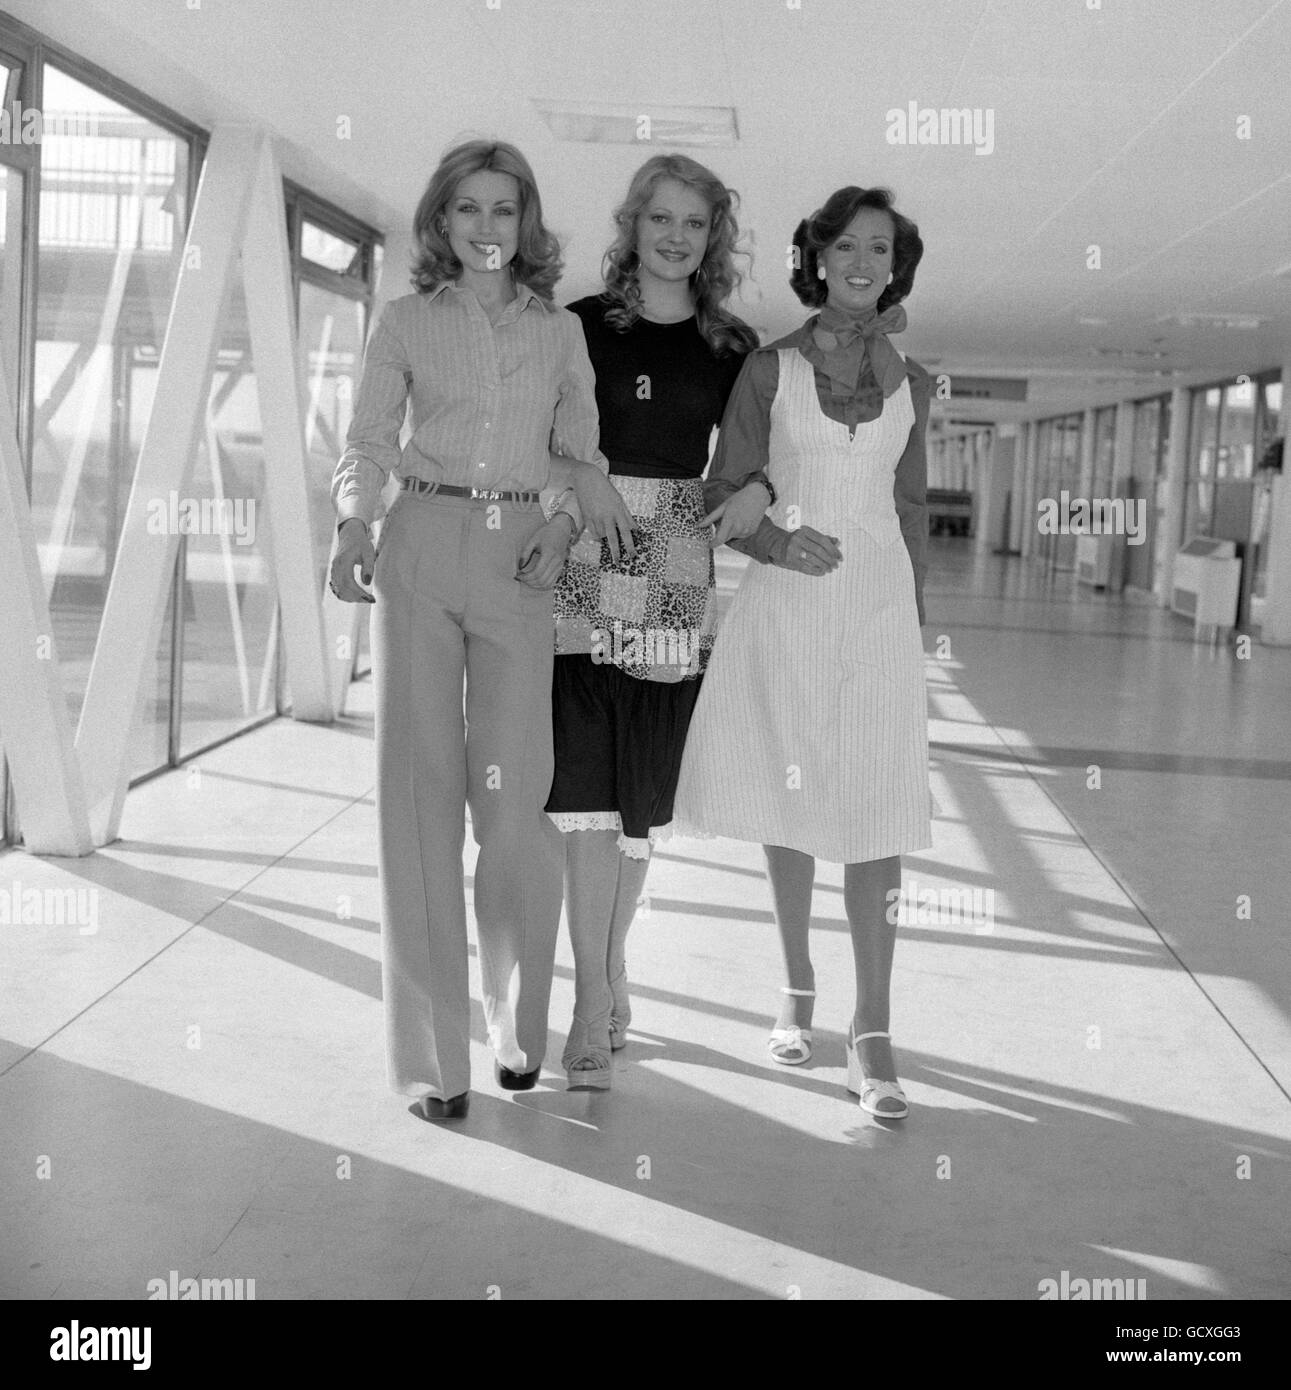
[{"x": 618, "y": 745}]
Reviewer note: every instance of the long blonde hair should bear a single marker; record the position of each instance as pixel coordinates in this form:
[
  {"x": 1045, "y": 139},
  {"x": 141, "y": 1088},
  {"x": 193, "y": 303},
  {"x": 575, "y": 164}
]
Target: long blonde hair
[{"x": 717, "y": 276}]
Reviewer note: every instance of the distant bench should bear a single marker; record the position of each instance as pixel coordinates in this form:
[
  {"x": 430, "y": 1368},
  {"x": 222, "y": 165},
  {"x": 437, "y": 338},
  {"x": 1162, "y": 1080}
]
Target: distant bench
[{"x": 950, "y": 512}]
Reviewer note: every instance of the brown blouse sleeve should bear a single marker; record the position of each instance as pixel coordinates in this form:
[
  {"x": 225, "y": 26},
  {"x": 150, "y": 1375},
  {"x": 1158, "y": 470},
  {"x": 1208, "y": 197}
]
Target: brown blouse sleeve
[
  {"x": 744, "y": 439},
  {"x": 910, "y": 486},
  {"x": 743, "y": 446}
]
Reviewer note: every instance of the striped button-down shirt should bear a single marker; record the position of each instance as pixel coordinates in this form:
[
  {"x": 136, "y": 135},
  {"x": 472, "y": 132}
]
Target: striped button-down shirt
[{"x": 489, "y": 400}]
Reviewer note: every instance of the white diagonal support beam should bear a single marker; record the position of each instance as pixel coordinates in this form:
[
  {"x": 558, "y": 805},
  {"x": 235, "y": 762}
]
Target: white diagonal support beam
[
  {"x": 271, "y": 318},
  {"x": 136, "y": 600},
  {"x": 34, "y": 725}
]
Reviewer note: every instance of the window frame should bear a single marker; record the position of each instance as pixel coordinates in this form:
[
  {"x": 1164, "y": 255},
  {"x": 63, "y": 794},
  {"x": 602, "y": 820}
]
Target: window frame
[{"x": 29, "y": 50}]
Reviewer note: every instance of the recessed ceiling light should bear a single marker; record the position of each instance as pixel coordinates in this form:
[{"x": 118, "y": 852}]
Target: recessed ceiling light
[
  {"x": 1205, "y": 320},
  {"x": 605, "y": 123}
]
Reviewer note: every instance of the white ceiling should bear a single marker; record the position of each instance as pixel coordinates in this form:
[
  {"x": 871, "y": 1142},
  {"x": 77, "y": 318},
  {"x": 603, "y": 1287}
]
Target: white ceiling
[{"x": 1114, "y": 125}]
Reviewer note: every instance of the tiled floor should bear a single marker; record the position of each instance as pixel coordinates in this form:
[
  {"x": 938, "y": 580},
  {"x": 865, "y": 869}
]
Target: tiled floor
[{"x": 193, "y": 1080}]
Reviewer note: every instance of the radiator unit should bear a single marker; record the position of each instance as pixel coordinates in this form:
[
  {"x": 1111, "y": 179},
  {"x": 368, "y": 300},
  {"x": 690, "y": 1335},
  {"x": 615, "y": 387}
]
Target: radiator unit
[
  {"x": 1095, "y": 558},
  {"x": 1205, "y": 581}
]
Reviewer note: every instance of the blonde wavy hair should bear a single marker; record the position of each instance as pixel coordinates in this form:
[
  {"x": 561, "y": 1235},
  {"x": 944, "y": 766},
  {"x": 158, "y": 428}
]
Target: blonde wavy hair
[
  {"x": 537, "y": 262},
  {"x": 717, "y": 276}
]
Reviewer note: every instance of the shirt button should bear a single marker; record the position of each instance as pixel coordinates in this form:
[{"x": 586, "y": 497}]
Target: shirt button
[{"x": 486, "y": 424}]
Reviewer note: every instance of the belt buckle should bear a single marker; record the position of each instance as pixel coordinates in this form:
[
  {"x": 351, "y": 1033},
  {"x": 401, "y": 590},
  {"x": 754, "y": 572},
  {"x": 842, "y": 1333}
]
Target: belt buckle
[{"x": 488, "y": 494}]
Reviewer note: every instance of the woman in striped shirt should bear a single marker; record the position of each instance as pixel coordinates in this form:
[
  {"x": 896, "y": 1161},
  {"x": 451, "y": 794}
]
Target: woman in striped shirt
[{"x": 490, "y": 371}]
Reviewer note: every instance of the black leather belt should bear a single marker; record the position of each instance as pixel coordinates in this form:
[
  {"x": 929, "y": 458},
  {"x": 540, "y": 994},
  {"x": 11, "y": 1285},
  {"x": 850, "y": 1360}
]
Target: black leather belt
[{"x": 426, "y": 488}]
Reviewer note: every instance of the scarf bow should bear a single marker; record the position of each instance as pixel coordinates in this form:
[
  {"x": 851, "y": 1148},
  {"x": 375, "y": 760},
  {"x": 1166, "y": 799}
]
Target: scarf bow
[{"x": 845, "y": 340}]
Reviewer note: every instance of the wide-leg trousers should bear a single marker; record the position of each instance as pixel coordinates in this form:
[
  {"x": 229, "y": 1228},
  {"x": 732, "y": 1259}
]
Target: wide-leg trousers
[{"x": 449, "y": 608}]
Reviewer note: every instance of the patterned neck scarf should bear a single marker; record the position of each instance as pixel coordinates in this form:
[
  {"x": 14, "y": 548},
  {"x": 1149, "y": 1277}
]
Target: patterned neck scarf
[{"x": 845, "y": 339}]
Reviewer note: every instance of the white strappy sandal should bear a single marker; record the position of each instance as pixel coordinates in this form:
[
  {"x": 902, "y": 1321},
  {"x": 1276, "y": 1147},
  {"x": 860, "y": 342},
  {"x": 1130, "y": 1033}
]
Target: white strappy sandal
[
  {"x": 871, "y": 1091},
  {"x": 791, "y": 1046}
]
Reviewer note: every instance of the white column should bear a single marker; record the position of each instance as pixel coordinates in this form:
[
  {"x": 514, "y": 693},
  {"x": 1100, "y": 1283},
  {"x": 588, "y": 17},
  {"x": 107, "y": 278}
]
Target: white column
[
  {"x": 993, "y": 489},
  {"x": 1176, "y": 486},
  {"x": 271, "y": 320}
]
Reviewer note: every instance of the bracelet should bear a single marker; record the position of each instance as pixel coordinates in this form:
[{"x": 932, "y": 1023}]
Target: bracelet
[
  {"x": 771, "y": 492},
  {"x": 366, "y": 528},
  {"x": 573, "y": 525},
  {"x": 558, "y": 502}
]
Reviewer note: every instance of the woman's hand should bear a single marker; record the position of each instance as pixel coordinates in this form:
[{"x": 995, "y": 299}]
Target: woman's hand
[
  {"x": 605, "y": 514},
  {"x": 542, "y": 561},
  {"x": 353, "y": 547},
  {"x": 740, "y": 514},
  {"x": 810, "y": 552}
]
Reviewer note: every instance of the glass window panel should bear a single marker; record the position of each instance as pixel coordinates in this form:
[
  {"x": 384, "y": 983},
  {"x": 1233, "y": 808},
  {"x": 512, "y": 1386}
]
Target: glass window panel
[
  {"x": 1273, "y": 404},
  {"x": 1147, "y": 439},
  {"x": 1206, "y": 422},
  {"x": 1270, "y": 430},
  {"x": 329, "y": 250},
  {"x": 331, "y": 339},
  {"x": 1234, "y": 458},
  {"x": 1104, "y": 451},
  {"x": 1069, "y": 435},
  {"x": 11, "y": 190},
  {"x": 230, "y": 603},
  {"x": 1163, "y": 447},
  {"x": 150, "y": 737},
  {"x": 10, "y": 87},
  {"x": 1072, "y": 429},
  {"x": 112, "y": 215}
]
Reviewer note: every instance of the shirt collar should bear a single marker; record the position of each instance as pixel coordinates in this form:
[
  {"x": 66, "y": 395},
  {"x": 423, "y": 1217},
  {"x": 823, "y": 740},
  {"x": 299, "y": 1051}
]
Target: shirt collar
[{"x": 524, "y": 296}]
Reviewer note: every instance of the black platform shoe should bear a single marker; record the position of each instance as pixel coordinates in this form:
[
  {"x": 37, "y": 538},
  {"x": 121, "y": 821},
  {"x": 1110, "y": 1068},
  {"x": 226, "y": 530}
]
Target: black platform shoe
[
  {"x": 454, "y": 1108},
  {"x": 515, "y": 1080}
]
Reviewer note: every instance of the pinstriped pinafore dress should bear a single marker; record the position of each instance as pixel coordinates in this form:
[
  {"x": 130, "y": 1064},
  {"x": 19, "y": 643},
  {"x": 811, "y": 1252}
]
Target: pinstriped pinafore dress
[{"x": 811, "y": 730}]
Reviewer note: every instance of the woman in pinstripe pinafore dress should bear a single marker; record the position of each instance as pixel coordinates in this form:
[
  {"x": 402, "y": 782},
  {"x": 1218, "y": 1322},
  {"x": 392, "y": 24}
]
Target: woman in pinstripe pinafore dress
[{"x": 810, "y": 735}]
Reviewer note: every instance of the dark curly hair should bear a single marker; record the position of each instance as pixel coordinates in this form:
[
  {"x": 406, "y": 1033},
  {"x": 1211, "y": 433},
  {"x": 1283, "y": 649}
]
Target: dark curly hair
[{"x": 828, "y": 223}]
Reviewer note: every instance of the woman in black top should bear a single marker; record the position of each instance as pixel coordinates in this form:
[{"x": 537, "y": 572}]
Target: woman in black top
[{"x": 633, "y": 634}]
